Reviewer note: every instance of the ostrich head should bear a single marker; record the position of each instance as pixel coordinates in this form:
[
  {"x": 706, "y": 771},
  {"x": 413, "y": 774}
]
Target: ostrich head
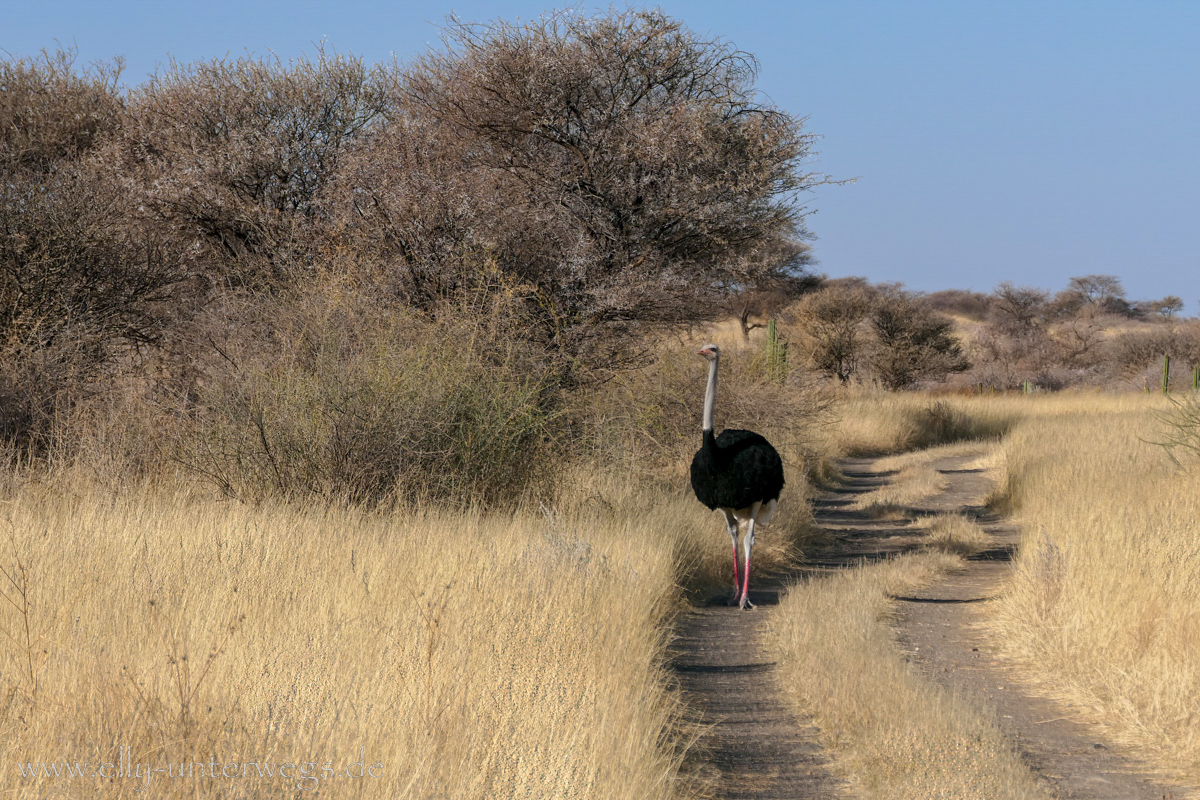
[{"x": 710, "y": 352}]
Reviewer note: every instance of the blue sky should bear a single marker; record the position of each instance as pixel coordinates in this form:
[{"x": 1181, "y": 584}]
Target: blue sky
[{"x": 1022, "y": 141}]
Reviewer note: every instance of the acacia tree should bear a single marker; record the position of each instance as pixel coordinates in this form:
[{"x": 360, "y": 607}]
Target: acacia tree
[
  {"x": 1103, "y": 291},
  {"x": 912, "y": 343},
  {"x": 1167, "y": 307},
  {"x": 832, "y": 320},
  {"x": 82, "y": 280},
  {"x": 635, "y": 176}
]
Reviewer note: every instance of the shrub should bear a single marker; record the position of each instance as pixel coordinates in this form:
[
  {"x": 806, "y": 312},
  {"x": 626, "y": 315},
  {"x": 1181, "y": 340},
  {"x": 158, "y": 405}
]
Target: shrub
[
  {"x": 1129, "y": 354},
  {"x": 1179, "y": 433},
  {"x": 912, "y": 343},
  {"x": 346, "y": 401},
  {"x": 832, "y": 321}
]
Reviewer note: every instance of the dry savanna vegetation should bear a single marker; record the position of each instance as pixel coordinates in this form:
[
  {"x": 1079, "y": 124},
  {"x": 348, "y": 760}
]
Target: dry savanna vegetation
[
  {"x": 326, "y": 469},
  {"x": 1099, "y": 612},
  {"x": 345, "y": 414},
  {"x": 1103, "y": 603},
  {"x": 1087, "y": 335},
  {"x": 891, "y": 732}
]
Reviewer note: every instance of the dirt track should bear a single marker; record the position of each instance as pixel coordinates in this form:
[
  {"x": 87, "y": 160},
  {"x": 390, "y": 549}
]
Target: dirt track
[{"x": 754, "y": 747}]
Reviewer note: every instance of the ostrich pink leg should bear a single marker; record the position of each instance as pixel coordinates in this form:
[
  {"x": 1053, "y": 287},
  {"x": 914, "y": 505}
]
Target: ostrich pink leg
[{"x": 744, "y": 598}]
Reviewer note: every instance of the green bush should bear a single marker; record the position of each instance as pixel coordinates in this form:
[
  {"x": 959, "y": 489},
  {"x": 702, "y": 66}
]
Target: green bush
[{"x": 351, "y": 403}]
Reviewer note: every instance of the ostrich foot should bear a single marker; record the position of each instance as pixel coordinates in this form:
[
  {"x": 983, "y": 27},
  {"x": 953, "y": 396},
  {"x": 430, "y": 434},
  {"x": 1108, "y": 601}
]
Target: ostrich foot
[{"x": 744, "y": 603}]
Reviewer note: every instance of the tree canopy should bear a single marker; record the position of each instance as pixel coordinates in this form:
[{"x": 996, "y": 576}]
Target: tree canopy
[{"x": 633, "y": 174}]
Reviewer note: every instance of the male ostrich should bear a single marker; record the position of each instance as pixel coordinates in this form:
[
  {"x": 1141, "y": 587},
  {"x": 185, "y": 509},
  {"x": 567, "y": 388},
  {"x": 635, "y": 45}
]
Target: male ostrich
[{"x": 738, "y": 472}]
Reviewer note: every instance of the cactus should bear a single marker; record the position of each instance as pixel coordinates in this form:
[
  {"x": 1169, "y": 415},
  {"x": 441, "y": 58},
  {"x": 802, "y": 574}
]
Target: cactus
[{"x": 776, "y": 354}]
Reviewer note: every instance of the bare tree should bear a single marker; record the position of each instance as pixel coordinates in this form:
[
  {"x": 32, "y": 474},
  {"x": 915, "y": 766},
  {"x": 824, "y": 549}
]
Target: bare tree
[
  {"x": 832, "y": 321},
  {"x": 1079, "y": 336},
  {"x": 1018, "y": 343},
  {"x": 640, "y": 176},
  {"x": 83, "y": 282},
  {"x": 236, "y": 154},
  {"x": 911, "y": 342},
  {"x": 1104, "y": 292},
  {"x": 1019, "y": 309}
]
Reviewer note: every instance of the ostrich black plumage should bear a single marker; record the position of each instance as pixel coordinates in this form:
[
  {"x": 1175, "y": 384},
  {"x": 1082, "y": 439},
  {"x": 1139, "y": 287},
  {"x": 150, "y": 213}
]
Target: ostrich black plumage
[{"x": 738, "y": 472}]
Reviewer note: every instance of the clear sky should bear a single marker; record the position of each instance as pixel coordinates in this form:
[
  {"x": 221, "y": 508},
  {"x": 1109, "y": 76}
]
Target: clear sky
[{"x": 1023, "y": 141}]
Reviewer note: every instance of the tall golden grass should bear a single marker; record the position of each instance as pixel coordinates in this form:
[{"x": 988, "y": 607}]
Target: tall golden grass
[
  {"x": 871, "y": 423},
  {"x": 1102, "y": 610},
  {"x": 519, "y": 651},
  {"x": 1104, "y": 606},
  {"x": 891, "y": 733},
  {"x": 467, "y": 651},
  {"x": 466, "y": 655}
]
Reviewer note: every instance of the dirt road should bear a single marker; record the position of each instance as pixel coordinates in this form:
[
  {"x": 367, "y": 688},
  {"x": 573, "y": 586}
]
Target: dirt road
[{"x": 752, "y": 746}]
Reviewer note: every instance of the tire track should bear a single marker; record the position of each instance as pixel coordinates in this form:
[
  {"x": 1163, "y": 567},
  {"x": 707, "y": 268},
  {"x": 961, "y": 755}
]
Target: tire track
[
  {"x": 750, "y": 744},
  {"x": 939, "y": 628}
]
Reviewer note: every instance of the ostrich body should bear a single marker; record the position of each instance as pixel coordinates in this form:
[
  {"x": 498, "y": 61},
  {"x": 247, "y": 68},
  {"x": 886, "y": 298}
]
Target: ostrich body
[{"x": 738, "y": 472}]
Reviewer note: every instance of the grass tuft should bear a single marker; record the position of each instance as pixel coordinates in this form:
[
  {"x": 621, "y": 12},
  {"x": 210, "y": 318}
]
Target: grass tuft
[{"x": 956, "y": 534}]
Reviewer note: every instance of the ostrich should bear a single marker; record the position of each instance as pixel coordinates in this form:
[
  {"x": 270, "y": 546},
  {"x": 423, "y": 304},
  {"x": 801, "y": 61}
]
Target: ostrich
[{"x": 738, "y": 472}]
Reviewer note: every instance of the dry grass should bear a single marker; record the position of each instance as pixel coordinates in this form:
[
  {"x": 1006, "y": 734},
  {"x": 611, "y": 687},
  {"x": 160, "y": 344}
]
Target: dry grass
[
  {"x": 957, "y": 534},
  {"x": 876, "y": 423},
  {"x": 1104, "y": 604},
  {"x": 520, "y": 652},
  {"x": 515, "y": 651},
  {"x": 893, "y": 734},
  {"x": 697, "y": 536},
  {"x": 1102, "y": 609},
  {"x": 908, "y": 485},
  {"x": 467, "y": 655}
]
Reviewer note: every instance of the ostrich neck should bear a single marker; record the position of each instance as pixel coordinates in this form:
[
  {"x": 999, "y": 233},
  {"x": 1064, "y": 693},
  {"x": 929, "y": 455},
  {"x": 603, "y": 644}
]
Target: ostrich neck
[{"x": 710, "y": 394}]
